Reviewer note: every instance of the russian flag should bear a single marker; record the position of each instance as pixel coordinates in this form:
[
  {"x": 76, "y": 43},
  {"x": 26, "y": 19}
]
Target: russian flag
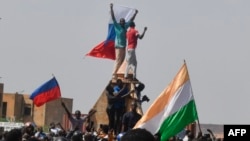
[
  {"x": 106, "y": 49},
  {"x": 49, "y": 91}
]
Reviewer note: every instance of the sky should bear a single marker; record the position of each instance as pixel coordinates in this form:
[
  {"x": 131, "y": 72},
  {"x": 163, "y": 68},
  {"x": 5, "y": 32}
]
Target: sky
[{"x": 41, "y": 38}]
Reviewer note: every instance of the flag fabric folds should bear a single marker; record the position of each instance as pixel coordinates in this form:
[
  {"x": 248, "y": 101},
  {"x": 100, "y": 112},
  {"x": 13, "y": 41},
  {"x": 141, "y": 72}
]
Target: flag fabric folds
[
  {"x": 106, "y": 49},
  {"x": 173, "y": 110},
  {"x": 49, "y": 91}
]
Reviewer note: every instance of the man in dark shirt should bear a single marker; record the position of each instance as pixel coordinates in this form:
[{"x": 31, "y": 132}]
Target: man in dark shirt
[
  {"x": 120, "y": 92},
  {"x": 130, "y": 118}
]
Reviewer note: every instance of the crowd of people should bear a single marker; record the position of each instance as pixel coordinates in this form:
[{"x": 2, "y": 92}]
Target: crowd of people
[{"x": 31, "y": 133}]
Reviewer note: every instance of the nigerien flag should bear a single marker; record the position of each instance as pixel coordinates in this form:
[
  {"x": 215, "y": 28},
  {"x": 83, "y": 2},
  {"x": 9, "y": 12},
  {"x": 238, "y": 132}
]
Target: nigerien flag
[{"x": 173, "y": 110}]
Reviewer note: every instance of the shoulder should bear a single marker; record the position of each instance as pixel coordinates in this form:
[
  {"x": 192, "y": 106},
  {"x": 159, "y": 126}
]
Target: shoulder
[
  {"x": 116, "y": 24},
  {"x": 134, "y": 30}
]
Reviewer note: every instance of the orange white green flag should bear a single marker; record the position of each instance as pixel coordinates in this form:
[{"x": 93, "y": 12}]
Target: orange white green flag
[{"x": 173, "y": 110}]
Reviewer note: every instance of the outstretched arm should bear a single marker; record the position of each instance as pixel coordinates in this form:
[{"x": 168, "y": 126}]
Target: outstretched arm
[
  {"x": 142, "y": 35},
  {"x": 67, "y": 111},
  {"x": 91, "y": 112},
  {"x": 133, "y": 17},
  {"x": 112, "y": 12},
  {"x": 128, "y": 93},
  {"x": 125, "y": 86},
  {"x": 212, "y": 134}
]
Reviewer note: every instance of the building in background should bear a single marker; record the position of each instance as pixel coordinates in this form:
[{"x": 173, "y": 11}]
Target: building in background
[
  {"x": 1, "y": 98},
  {"x": 15, "y": 107}
]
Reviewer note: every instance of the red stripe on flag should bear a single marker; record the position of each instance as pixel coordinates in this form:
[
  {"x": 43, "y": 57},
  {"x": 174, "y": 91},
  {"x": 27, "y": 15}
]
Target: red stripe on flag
[
  {"x": 103, "y": 50},
  {"x": 47, "y": 96}
]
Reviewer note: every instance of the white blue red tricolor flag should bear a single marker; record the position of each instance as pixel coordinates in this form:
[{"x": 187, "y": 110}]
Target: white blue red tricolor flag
[
  {"x": 106, "y": 49},
  {"x": 49, "y": 91}
]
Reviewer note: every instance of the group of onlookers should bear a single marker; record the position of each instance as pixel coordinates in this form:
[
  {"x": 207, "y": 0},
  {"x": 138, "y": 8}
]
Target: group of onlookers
[{"x": 31, "y": 133}]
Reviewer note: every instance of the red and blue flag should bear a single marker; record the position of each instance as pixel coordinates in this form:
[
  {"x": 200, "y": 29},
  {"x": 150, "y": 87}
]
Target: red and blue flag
[{"x": 49, "y": 91}]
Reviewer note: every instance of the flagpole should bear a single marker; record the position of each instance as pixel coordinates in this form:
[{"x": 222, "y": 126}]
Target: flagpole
[
  {"x": 198, "y": 121},
  {"x": 199, "y": 125}
]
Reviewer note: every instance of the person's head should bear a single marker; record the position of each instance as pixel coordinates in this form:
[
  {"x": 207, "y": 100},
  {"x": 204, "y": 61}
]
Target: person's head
[
  {"x": 138, "y": 135},
  {"x": 133, "y": 106},
  {"x": 77, "y": 114},
  {"x": 89, "y": 137},
  {"x": 110, "y": 88},
  {"x": 119, "y": 82},
  {"x": 140, "y": 87},
  {"x": 52, "y": 125},
  {"x": 14, "y": 135},
  {"x": 77, "y": 136},
  {"x": 132, "y": 24},
  {"x": 122, "y": 22},
  {"x": 105, "y": 129},
  {"x": 29, "y": 128}
]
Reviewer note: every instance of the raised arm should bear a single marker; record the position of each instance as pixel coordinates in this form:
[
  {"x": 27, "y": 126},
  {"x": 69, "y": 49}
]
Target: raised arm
[
  {"x": 91, "y": 112},
  {"x": 142, "y": 35},
  {"x": 67, "y": 111},
  {"x": 212, "y": 134},
  {"x": 112, "y": 12},
  {"x": 133, "y": 17}
]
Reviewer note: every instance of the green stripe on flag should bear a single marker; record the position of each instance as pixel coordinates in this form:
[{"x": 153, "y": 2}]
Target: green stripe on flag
[{"x": 178, "y": 121}]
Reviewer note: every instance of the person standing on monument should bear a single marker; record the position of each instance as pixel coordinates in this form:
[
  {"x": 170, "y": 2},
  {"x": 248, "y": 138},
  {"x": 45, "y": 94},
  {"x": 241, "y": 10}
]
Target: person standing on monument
[
  {"x": 120, "y": 39},
  {"x": 120, "y": 91},
  {"x": 132, "y": 37},
  {"x": 111, "y": 98}
]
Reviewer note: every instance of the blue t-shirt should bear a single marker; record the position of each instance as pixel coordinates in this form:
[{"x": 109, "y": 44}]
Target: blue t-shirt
[{"x": 120, "y": 102}]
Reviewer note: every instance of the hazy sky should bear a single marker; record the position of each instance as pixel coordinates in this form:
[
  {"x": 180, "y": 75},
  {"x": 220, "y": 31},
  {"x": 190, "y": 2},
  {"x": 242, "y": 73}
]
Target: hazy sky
[{"x": 39, "y": 38}]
